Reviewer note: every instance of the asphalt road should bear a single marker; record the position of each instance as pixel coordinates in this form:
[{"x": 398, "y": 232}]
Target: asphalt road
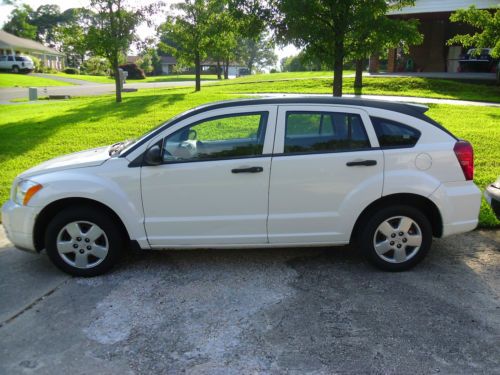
[{"x": 296, "y": 311}]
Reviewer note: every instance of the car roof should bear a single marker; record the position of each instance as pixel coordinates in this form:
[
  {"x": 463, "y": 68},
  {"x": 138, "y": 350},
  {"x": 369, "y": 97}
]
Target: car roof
[{"x": 414, "y": 110}]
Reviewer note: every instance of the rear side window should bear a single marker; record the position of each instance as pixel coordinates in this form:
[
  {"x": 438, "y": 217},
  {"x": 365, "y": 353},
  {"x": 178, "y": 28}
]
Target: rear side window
[
  {"x": 308, "y": 132},
  {"x": 394, "y": 134}
]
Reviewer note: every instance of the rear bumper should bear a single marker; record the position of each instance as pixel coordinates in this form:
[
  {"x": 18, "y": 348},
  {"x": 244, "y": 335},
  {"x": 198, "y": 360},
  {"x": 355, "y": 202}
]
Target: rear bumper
[
  {"x": 19, "y": 222},
  {"x": 459, "y": 204},
  {"x": 492, "y": 195}
]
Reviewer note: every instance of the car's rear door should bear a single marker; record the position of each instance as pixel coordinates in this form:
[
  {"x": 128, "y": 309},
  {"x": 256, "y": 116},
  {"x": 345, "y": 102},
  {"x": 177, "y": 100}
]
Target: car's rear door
[
  {"x": 326, "y": 168},
  {"x": 212, "y": 187}
]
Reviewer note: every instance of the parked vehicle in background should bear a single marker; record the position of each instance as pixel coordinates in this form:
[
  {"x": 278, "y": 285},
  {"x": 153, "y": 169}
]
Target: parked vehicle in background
[
  {"x": 243, "y": 72},
  {"x": 484, "y": 62},
  {"x": 492, "y": 195},
  {"x": 16, "y": 64},
  {"x": 255, "y": 173}
]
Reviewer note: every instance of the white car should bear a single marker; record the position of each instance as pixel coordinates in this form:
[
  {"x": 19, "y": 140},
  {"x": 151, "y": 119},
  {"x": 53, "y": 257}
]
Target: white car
[
  {"x": 16, "y": 64},
  {"x": 254, "y": 173}
]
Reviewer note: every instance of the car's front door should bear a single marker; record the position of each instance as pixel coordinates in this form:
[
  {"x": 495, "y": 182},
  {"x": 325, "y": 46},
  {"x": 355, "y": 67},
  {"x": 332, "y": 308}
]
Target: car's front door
[
  {"x": 212, "y": 187},
  {"x": 326, "y": 168}
]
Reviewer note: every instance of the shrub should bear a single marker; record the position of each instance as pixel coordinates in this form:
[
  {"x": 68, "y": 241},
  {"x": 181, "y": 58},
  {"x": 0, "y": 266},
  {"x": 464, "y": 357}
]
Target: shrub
[
  {"x": 71, "y": 71},
  {"x": 134, "y": 72},
  {"x": 37, "y": 63},
  {"x": 97, "y": 66}
]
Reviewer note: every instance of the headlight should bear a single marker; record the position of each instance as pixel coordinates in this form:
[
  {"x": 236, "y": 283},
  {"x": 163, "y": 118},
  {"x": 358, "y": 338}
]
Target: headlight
[{"x": 25, "y": 190}]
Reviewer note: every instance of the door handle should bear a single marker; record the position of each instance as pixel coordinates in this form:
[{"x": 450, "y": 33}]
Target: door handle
[
  {"x": 248, "y": 170},
  {"x": 365, "y": 163}
]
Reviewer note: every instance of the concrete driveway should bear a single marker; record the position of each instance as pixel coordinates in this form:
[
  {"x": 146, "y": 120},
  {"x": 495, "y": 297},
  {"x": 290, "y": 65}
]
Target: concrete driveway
[{"x": 315, "y": 311}]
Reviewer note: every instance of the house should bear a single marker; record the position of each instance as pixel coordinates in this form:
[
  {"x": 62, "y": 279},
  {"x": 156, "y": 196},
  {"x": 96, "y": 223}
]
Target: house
[
  {"x": 433, "y": 55},
  {"x": 14, "y": 45}
]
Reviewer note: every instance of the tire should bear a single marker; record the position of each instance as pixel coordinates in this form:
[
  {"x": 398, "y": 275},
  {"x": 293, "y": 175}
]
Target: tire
[
  {"x": 84, "y": 241},
  {"x": 396, "y": 238},
  {"x": 15, "y": 69}
]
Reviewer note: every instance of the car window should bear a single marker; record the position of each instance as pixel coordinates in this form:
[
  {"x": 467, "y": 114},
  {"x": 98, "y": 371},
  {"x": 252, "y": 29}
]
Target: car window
[
  {"x": 3, "y": 58},
  {"x": 394, "y": 134},
  {"x": 19, "y": 58},
  {"x": 232, "y": 136},
  {"x": 10, "y": 58},
  {"x": 307, "y": 132}
]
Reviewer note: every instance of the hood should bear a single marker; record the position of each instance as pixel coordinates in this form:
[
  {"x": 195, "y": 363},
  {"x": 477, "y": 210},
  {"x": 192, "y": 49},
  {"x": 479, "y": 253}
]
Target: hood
[{"x": 88, "y": 158}]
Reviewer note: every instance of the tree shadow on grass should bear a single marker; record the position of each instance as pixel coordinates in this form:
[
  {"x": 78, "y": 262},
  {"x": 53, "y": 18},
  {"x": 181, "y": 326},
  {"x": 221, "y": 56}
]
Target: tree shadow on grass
[{"x": 20, "y": 137}]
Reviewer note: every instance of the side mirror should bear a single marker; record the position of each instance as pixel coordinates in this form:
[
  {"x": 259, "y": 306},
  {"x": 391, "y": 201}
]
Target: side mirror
[{"x": 153, "y": 156}]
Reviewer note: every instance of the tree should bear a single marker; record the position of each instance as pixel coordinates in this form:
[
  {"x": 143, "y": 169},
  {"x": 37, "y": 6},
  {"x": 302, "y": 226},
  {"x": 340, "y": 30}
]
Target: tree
[
  {"x": 113, "y": 32},
  {"x": 46, "y": 19},
  {"x": 187, "y": 35},
  {"x": 257, "y": 53},
  {"x": 325, "y": 27},
  {"x": 20, "y": 22},
  {"x": 374, "y": 32},
  {"x": 487, "y": 25}
]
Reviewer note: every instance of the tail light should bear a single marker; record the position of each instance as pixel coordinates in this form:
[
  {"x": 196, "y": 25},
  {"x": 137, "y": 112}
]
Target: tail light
[{"x": 465, "y": 155}]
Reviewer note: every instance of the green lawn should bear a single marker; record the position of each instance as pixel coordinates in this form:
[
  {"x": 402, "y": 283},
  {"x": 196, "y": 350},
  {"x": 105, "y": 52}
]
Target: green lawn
[
  {"x": 405, "y": 86},
  {"x": 166, "y": 78},
  {"x": 27, "y": 80},
  {"x": 31, "y": 133}
]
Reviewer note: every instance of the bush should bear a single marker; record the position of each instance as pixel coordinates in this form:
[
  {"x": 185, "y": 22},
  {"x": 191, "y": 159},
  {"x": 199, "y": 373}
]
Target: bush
[
  {"x": 71, "y": 71},
  {"x": 37, "y": 63},
  {"x": 273, "y": 70},
  {"x": 96, "y": 66},
  {"x": 134, "y": 72}
]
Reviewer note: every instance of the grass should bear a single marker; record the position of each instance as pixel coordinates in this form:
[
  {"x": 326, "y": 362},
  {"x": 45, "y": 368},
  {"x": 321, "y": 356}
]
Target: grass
[
  {"x": 31, "y": 133},
  {"x": 401, "y": 86},
  {"x": 166, "y": 78},
  {"x": 27, "y": 80}
]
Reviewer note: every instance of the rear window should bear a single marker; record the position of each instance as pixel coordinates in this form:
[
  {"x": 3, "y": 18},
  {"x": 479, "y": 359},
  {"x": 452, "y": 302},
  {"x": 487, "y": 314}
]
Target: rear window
[{"x": 394, "y": 134}]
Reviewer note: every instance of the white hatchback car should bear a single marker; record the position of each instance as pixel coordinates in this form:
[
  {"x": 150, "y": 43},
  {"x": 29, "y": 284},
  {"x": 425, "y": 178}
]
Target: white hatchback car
[{"x": 254, "y": 173}]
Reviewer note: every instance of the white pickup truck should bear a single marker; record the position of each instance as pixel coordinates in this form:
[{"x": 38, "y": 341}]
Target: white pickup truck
[{"x": 17, "y": 64}]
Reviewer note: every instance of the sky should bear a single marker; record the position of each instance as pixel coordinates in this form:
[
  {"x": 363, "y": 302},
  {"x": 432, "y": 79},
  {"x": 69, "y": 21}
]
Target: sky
[{"x": 143, "y": 30}]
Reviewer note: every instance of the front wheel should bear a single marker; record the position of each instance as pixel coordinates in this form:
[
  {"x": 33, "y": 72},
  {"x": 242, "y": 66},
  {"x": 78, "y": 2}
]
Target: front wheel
[
  {"x": 83, "y": 241},
  {"x": 396, "y": 238}
]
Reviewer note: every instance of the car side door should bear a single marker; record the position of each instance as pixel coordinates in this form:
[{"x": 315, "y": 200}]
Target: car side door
[
  {"x": 327, "y": 167},
  {"x": 211, "y": 187}
]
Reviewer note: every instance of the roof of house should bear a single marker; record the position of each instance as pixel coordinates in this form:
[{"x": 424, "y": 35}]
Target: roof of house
[
  {"x": 433, "y": 6},
  {"x": 168, "y": 60},
  {"x": 8, "y": 40}
]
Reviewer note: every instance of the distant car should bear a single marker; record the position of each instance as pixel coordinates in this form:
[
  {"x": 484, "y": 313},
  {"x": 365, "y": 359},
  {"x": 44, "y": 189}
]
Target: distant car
[
  {"x": 16, "y": 64},
  {"x": 243, "y": 72},
  {"x": 255, "y": 173},
  {"x": 484, "y": 62},
  {"x": 492, "y": 195}
]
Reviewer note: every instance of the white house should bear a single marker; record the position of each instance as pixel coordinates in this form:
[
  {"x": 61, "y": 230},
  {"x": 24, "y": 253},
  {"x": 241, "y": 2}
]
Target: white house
[{"x": 14, "y": 45}]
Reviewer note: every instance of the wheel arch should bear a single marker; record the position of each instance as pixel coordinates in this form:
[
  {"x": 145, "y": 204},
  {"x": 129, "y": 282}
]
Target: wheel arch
[
  {"x": 424, "y": 204},
  {"x": 53, "y": 208}
]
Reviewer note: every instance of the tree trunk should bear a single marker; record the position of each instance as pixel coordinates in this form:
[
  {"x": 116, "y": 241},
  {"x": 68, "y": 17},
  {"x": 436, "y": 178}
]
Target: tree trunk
[
  {"x": 358, "y": 80},
  {"x": 219, "y": 76},
  {"x": 226, "y": 69},
  {"x": 197, "y": 64},
  {"x": 118, "y": 86},
  {"x": 338, "y": 64}
]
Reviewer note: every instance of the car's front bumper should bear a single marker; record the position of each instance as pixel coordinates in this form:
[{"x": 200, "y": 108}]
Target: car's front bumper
[
  {"x": 19, "y": 222},
  {"x": 492, "y": 195}
]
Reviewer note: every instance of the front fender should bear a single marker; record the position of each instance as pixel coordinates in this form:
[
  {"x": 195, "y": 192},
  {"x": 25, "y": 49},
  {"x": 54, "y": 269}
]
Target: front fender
[{"x": 110, "y": 184}]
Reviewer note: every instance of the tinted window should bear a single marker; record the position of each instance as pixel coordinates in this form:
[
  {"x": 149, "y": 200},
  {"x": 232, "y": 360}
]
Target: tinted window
[
  {"x": 19, "y": 58},
  {"x": 323, "y": 132},
  {"x": 231, "y": 136},
  {"x": 393, "y": 134},
  {"x": 11, "y": 58},
  {"x": 3, "y": 58}
]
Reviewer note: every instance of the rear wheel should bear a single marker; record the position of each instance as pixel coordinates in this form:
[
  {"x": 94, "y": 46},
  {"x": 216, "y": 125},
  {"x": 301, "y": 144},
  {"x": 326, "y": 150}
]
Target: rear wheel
[
  {"x": 396, "y": 238},
  {"x": 83, "y": 241},
  {"x": 15, "y": 69}
]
